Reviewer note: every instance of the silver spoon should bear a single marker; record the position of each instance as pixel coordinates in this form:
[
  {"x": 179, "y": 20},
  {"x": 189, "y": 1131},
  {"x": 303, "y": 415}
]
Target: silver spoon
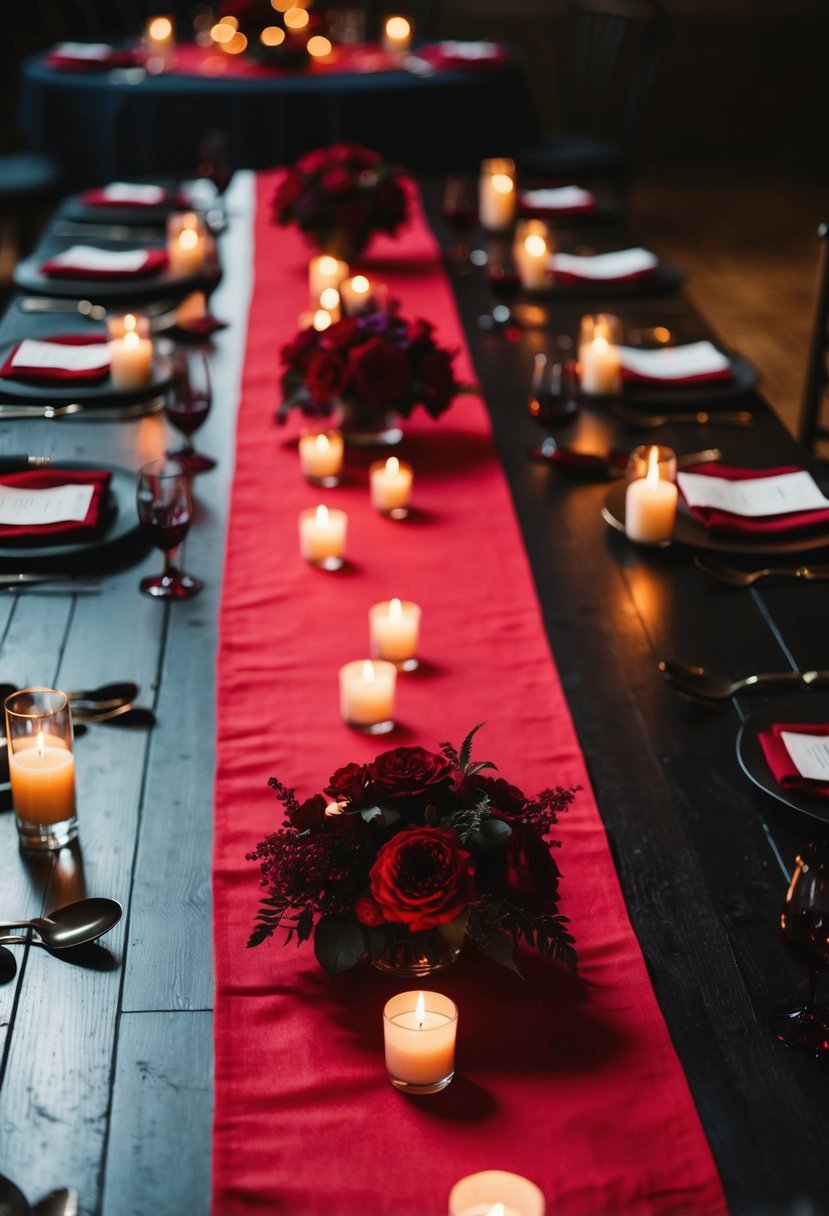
[
  {"x": 73, "y": 924},
  {"x": 107, "y": 696},
  {"x": 698, "y": 682},
  {"x": 63, "y": 1202},
  {"x": 8, "y": 970},
  {"x": 735, "y": 577}
]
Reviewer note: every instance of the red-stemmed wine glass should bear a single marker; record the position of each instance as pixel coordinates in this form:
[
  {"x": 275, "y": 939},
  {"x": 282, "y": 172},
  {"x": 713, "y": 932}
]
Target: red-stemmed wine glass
[
  {"x": 165, "y": 509},
  {"x": 187, "y": 408},
  {"x": 459, "y": 210},
  {"x": 805, "y": 925},
  {"x": 505, "y": 285}
]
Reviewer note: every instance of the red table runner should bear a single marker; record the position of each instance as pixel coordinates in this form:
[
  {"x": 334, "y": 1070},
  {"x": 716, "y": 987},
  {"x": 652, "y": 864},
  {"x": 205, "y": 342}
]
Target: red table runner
[{"x": 571, "y": 1081}]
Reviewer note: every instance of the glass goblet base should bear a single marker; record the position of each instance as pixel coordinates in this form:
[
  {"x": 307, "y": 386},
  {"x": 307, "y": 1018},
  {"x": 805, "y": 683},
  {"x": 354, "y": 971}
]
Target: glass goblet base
[
  {"x": 193, "y": 463},
  {"x": 803, "y": 1028},
  {"x": 171, "y": 585}
]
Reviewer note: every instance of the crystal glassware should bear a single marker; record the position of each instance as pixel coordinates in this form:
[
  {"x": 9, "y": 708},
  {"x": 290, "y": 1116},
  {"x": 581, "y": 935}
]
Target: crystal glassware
[
  {"x": 41, "y": 767},
  {"x": 554, "y": 399},
  {"x": 165, "y": 509},
  {"x": 459, "y": 210},
  {"x": 187, "y": 409},
  {"x": 805, "y": 925}
]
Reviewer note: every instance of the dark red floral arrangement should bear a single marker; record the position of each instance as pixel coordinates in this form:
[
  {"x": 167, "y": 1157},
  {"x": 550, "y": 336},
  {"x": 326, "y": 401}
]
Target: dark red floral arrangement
[
  {"x": 414, "y": 841},
  {"x": 375, "y": 362},
  {"x": 340, "y": 196}
]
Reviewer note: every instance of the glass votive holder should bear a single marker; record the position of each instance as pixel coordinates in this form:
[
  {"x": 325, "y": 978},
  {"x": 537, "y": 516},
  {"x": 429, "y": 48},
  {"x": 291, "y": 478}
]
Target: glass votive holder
[
  {"x": 325, "y": 271},
  {"x": 159, "y": 43},
  {"x": 130, "y": 360},
  {"x": 118, "y": 326},
  {"x": 321, "y": 457},
  {"x": 496, "y": 1191},
  {"x": 642, "y": 458},
  {"x": 531, "y": 251},
  {"x": 322, "y": 536},
  {"x": 187, "y": 243},
  {"x": 650, "y": 502},
  {"x": 391, "y": 486},
  {"x": 496, "y": 194},
  {"x": 419, "y": 1032},
  {"x": 394, "y": 630},
  {"x": 367, "y": 689},
  {"x": 397, "y": 35},
  {"x": 41, "y": 767},
  {"x": 600, "y": 366}
]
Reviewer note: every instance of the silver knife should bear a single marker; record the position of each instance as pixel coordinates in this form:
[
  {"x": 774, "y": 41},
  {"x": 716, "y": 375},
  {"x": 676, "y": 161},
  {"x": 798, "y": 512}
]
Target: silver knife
[{"x": 70, "y": 583}]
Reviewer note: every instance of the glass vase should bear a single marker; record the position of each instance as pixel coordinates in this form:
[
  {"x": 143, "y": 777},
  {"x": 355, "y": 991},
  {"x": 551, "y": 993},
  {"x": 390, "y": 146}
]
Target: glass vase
[
  {"x": 367, "y": 426},
  {"x": 417, "y": 954}
]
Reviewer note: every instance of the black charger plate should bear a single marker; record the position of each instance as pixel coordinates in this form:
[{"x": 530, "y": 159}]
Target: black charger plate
[
  {"x": 806, "y": 707},
  {"x": 29, "y": 278},
  {"x": 744, "y": 378},
  {"x": 100, "y": 393}
]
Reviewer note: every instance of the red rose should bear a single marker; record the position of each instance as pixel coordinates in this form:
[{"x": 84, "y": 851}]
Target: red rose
[
  {"x": 324, "y": 376},
  {"x": 379, "y": 372},
  {"x": 313, "y": 162},
  {"x": 350, "y": 211},
  {"x": 297, "y": 354},
  {"x": 368, "y": 912},
  {"x": 437, "y": 383},
  {"x": 309, "y": 814},
  {"x": 530, "y": 873},
  {"x": 423, "y": 878},
  {"x": 338, "y": 180},
  {"x": 504, "y": 799},
  {"x": 392, "y": 202},
  {"x": 341, "y": 334},
  {"x": 348, "y": 782},
  {"x": 410, "y": 772},
  {"x": 286, "y": 194}
]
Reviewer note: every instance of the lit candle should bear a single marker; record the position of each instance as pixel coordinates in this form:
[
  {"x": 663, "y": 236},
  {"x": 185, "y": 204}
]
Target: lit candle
[
  {"x": 496, "y": 194},
  {"x": 391, "y": 486},
  {"x": 397, "y": 35},
  {"x": 186, "y": 253},
  {"x": 330, "y": 302},
  {"x": 367, "y": 695},
  {"x": 322, "y": 536},
  {"x": 419, "y": 1030},
  {"x": 394, "y": 629},
  {"x": 599, "y": 356},
  {"x": 130, "y": 360},
  {"x": 118, "y": 326},
  {"x": 321, "y": 457},
  {"x": 356, "y": 293},
  {"x": 159, "y": 42},
  {"x": 650, "y": 506},
  {"x": 532, "y": 259},
  {"x": 325, "y": 271},
  {"x": 42, "y": 774},
  {"x": 496, "y": 1193}
]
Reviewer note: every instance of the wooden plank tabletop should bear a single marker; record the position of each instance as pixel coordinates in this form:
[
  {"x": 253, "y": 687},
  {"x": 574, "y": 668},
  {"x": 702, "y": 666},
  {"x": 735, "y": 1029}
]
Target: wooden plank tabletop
[{"x": 105, "y": 1072}]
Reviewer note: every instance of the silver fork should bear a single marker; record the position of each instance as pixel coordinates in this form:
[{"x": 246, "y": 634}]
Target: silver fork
[
  {"x": 735, "y": 577},
  {"x": 87, "y": 413},
  {"x": 698, "y": 417}
]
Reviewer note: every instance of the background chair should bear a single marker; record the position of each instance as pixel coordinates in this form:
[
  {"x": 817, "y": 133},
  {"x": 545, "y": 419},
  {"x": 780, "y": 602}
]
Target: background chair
[
  {"x": 812, "y": 429},
  {"x": 605, "y": 68}
]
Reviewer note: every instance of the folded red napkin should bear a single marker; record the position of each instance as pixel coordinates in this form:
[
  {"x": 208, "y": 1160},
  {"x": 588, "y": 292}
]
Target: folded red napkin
[
  {"x": 715, "y": 520},
  {"x": 47, "y": 479},
  {"x": 469, "y": 56},
  {"x": 131, "y": 195},
  {"x": 686, "y": 366},
  {"x": 201, "y": 326},
  {"x": 92, "y": 57},
  {"x": 53, "y": 375},
  {"x": 780, "y": 762},
  {"x": 155, "y": 261}
]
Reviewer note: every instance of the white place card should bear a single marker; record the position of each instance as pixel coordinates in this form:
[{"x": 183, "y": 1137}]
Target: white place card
[
  {"x": 675, "y": 362},
  {"x": 29, "y": 507},
  {"x": 562, "y": 198},
  {"x": 470, "y": 50},
  {"x": 32, "y": 353},
  {"x": 128, "y": 192},
  {"x": 83, "y": 50},
  {"x": 90, "y": 257},
  {"x": 809, "y": 753},
  {"x": 777, "y": 495},
  {"x": 618, "y": 265}
]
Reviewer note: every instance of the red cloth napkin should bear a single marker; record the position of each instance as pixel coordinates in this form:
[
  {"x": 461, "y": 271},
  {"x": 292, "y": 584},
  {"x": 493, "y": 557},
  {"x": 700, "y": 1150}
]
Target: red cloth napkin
[
  {"x": 780, "y": 762},
  {"x": 74, "y": 63},
  {"x": 47, "y": 479},
  {"x": 437, "y": 56},
  {"x": 203, "y": 327},
  {"x": 156, "y": 261},
  {"x": 631, "y": 377},
  {"x": 99, "y": 198},
  {"x": 58, "y": 375},
  {"x": 565, "y": 278},
  {"x": 715, "y": 520}
]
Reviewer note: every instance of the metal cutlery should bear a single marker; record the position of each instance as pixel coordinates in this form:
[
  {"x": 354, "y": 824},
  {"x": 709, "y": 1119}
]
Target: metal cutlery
[
  {"x": 72, "y": 925},
  {"x": 734, "y": 577},
  {"x": 16, "y": 413},
  {"x": 697, "y": 682},
  {"x": 643, "y": 421},
  {"x": 95, "y": 312},
  {"x": 91, "y": 413},
  {"x": 115, "y": 232},
  {"x": 63, "y": 1202},
  {"x": 613, "y": 465}
]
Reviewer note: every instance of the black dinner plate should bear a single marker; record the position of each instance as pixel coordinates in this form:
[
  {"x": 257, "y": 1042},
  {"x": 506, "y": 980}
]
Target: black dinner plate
[
  {"x": 744, "y": 378},
  {"x": 664, "y": 281},
  {"x": 120, "y": 540},
  {"x": 805, "y": 707},
  {"x": 77, "y": 211},
  {"x": 688, "y": 531},
  {"x": 100, "y": 393},
  {"x": 28, "y": 277}
]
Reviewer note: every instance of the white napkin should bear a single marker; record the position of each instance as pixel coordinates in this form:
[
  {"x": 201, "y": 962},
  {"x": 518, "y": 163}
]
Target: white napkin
[
  {"x": 754, "y": 497},
  {"x": 96, "y": 51},
  {"x": 90, "y": 257},
  {"x": 32, "y": 353},
  {"x": 470, "y": 50},
  {"x": 675, "y": 362},
  {"x": 562, "y": 198},
  {"x": 605, "y": 266},
  {"x": 126, "y": 192}
]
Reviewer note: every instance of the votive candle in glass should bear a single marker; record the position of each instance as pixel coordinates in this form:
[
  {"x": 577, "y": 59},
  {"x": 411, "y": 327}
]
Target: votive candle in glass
[
  {"x": 419, "y": 1032},
  {"x": 496, "y": 1193},
  {"x": 130, "y": 323},
  {"x": 321, "y": 457},
  {"x": 322, "y": 535},
  {"x": 650, "y": 506},
  {"x": 330, "y": 301},
  {"x": 391, "y": 486},
  {"x": 600, "y": 366},
  {"x": 496, "y": 194},
  {"x": 130, "y": 360},
  {"x": 159, "y": 42},
  {"x": 394, "y": 629},
  {"x": 367, "y": 690},
  {"x": 324, "y": 271},
  {"x": 358, "y": 292},
  {"x": 641, "y": 458},
  {"x": 397, "y": 35},
  {"x": 187, "y": 244},
  {"x": 531, "y": 253},
  {"x": 41, "y": 767}
]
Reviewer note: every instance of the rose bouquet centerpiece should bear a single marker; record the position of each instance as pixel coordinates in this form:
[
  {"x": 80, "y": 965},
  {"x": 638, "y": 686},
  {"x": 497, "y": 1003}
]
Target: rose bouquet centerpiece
[
  {"x": 368, "y": 368},
  {"x": 401, "y": 859},
  {"x": 340, "y": 196}
]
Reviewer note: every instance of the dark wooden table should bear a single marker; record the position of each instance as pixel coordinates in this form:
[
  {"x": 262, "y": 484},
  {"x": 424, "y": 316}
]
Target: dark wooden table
[{"x": 105, "y": 1076}]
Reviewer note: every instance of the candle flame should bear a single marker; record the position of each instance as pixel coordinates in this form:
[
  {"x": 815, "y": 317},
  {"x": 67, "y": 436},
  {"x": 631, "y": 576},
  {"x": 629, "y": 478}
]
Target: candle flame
[
  {"x": 600, "y": 345},
  {"x": 223, "y": 31},
  {"x": 652, "y": 477},
  {"x": 497, "y": 1209},
  {"x": 392, "y": 466},
  {"x": 360, "y": 284},
  {"x": 188, "y": 238},
  {"x": 398, "y": 27},
  {"x": 368, "y": 671},
  {"x": 319, "y": 46},
  {"x": 41, "y": 744},
  {"x": 160, "y": 28},
  {"x": 129, "y": 322},
  {"x": 322, "y": 443},
  {"x": 329, "y": 298},
  {"x": 535, "y": 245},
  {"x": 322, "y": 319},
  {"x": 131, "y": 340},
  {"x": 502, "y": 184},
  {"x": 327, "y": 265},
  {"x": 272, "y": 35},
  {"x": 395, "y": 609},
  {"x": 420, "y": 1010},
  {"x": 296, "y": 18},
  {"x": 322, "y": 516}
]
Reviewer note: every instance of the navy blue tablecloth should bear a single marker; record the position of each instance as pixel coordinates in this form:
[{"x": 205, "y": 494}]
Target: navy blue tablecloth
[{"x": 106, "y": 126}]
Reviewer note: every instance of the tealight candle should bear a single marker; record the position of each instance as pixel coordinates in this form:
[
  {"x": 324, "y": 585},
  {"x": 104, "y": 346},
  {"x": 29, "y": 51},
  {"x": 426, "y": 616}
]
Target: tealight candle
[
  {"x": 496, "y": 1193},
  {"x": 599, "y": 358},
  {"x": 41, "y": 766},
  {"x": 322, "y": 536},
  {"x": 357, "y": 293},
  {"x": 118, "y": 326},
  {"x": 324, "y": 271},
  {"x": 419, "y": 1030},
  {"x": 321, "y": 457},
  {"x": 159, "y": 42},
  {"x": 391, "y": 486},
  {"x": 496, "y": 194},
  {"x": 650, "y": 506},
  {"x": 130, "y": 360},
  {"x": 367, "y": 691},
  {"x": 397, "y": 35},
  {"x": 394, "y": 629},
  {"x": 187, "y": 244},
  {"x": 531, "y": 257},
  {"x": 330, "y": 302}
]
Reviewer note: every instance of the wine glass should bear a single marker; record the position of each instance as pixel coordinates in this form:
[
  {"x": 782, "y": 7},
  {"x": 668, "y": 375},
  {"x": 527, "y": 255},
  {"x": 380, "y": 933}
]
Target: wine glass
[
  {"x": 214, "y": 160},
  {"x": 505, "y": 284},
  {"x": 554, "y": 399},
  {"x": 188, "y": 407},
  {"x": 805, "y": 925},
  {"x": 459, "y": 209},
  {"x": 165, "y": 509}
]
